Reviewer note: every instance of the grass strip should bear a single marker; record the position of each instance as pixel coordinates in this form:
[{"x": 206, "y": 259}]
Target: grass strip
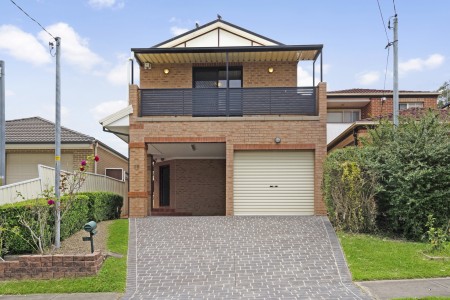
[
  {"x": 374, "y": 258},
  {"x": 111, "y": 278}
]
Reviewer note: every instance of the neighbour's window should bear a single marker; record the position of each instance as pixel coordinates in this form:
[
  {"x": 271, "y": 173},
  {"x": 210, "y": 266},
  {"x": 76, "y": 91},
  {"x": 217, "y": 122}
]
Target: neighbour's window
[
  {"x": 343, "y": 116},
  {"x": 403, "y": 106},
  {"x": 217, "y": 77},
  {"x": 116, "y": 173}
]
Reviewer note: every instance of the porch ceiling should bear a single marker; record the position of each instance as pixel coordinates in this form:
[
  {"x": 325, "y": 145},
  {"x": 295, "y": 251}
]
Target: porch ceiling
[
  {"x": 187, "y": 150},
  {"x": 218, "y": 54},
  {"x": 347, "y": 103}
]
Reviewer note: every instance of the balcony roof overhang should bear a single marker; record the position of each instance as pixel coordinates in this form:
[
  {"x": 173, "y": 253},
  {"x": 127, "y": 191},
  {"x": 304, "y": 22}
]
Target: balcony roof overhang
[{"x": 179, "y": 55}]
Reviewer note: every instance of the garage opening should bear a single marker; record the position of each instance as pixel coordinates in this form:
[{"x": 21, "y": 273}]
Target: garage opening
[{"x": 273, "y": 182}]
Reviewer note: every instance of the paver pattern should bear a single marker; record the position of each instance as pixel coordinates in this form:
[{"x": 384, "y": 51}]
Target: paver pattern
[{"x": 261, "y": 257}]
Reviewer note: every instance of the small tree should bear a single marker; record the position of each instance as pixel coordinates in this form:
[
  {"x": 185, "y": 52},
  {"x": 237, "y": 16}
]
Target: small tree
[
  {"x": 349, "y": 190},
  {"x": 70, "y": 185},
  {"x": 414, "y": 165},
  {"x": 444, "y": 98}
]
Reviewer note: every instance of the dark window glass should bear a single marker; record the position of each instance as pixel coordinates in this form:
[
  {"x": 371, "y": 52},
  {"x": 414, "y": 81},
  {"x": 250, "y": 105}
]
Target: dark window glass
[{"x": 217, "y": 77}]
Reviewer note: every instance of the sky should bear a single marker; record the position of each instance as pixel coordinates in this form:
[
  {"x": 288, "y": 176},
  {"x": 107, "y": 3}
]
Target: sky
[{"x": 97, "y": 35}]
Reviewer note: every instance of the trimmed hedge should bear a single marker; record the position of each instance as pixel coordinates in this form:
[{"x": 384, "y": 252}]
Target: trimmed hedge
[{"x": 97, "y": 206}]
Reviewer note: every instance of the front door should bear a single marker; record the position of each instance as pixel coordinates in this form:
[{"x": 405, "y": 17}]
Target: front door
[{"x": 164, "y": 186}]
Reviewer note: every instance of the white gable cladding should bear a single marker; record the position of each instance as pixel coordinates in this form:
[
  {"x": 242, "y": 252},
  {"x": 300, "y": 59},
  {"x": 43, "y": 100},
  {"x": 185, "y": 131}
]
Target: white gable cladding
[{"x": 218, "y": 35}]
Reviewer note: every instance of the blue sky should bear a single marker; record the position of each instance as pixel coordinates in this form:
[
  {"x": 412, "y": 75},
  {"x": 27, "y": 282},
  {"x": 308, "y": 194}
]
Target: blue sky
[{"x": 97, "y": 36}]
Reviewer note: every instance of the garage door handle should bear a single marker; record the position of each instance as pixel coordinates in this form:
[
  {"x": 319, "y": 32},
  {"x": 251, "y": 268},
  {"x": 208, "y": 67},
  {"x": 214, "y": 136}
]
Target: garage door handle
[
  {"x": 273, "y": 186},
  {"x": 276, "y": 186}
]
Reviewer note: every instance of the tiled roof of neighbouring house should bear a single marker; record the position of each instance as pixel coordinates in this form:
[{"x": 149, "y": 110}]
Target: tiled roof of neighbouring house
[
  {"x": 36, "y": 130},
  {"x": 374, "y": 91}
]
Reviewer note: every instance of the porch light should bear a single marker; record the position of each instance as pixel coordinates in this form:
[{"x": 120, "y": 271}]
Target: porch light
[
  {"x": 193, "y": 147},
  {"x": 277, "y": 140},
  {"x": 270, "y": 69},
  {"x": 166, "y": 71}
]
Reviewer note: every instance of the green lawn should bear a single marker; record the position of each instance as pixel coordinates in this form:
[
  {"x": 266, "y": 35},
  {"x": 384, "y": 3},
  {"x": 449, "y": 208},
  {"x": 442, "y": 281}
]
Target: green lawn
[
  {"x": 111, "y": 278},
  {"x": 425, "y": 298},
  {"x": 373, "y": 258}
]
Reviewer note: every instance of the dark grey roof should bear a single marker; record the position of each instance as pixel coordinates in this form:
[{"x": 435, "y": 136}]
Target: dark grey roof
[{"x": 36, "y": 130}]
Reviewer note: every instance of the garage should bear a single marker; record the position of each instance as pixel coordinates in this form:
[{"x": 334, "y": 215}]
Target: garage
[
  {"x": 24, "y": 166},
  {"x": 273, "y": 183}
]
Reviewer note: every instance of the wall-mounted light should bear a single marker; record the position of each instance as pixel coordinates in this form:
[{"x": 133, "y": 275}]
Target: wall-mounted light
[
  {"x": 166, "y": 71},
  {"x": 193, "y": 147},
  {"x": 270, "y": 69},
  {"x": 277, "y": 140},
  {"x": 147, "y": 66}
]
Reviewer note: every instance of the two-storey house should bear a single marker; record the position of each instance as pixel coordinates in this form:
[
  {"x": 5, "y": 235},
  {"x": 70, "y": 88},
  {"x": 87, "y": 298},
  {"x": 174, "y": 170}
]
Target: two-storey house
[{"x": 218, "y": 126}]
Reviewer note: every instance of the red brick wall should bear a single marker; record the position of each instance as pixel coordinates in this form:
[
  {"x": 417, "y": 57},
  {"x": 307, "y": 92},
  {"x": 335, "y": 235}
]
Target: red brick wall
[
  {"x": 51, "y": 266},
  {"x": 197, "y": 186},
  {"x": 377, "y": 108}
]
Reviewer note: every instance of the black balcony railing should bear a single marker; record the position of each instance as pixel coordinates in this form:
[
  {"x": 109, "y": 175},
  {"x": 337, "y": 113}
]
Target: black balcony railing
[{"x": 217, "y": 102}]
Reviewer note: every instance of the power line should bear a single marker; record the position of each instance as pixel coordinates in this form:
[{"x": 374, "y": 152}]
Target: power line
[
  {"x": 382, "y": 20},
  {"x": 395, "y": 9},
  {"x": 32, "y": 19}
]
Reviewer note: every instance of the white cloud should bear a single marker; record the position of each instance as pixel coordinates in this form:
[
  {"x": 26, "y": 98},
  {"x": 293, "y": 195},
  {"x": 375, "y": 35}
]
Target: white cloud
[
  {"x": 418, "y": 64},
  {"x": 48, "y": 112},
  {"x": 106, "y": 108},
  {"x": 99, "y": 4},
  {"x": 23, "y": 46},
  {"x": 175, "y": 30},
  {"x": 368, "y": 78},
  {"x": 74, "y": 49},
  {"x": 9, "y": 93},
  {"x": 120, "y": 73},
  {"x": 304, "y": 74}
]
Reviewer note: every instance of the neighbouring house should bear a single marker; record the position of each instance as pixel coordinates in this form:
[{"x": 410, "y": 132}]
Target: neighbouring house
[
  {"x": 349, "y": 112},
  {"x": 218, "y": 126},
  {"x": 31, "y": 141}
]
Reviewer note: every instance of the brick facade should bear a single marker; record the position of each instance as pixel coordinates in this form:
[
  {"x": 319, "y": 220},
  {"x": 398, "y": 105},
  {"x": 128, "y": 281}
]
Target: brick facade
[
  {"x": 109, "y": 160},
  {"x": 196, "y": 186},
  {"x": 296, "y": 132},
  {"x": 376, "y": 107},
  {"x": 51, "y": 266}
]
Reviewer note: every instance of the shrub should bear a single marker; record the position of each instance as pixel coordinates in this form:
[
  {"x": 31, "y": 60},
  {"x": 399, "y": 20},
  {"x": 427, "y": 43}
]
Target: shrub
[
  {"x": 349, "y": 189},
  {"x": 104, "y": 205},
  {"x": 16, "y": 238},
  {"x": 413, "y": 161}
]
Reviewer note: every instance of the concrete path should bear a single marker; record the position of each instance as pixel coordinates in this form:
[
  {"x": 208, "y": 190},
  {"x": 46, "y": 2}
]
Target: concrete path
[
  {"x": 236, "y": 258},
  {"x": 417, "y": 288}
]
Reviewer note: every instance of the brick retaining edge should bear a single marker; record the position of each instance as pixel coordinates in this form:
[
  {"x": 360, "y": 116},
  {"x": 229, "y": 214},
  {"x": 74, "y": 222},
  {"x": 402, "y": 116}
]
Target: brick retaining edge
[{"x": 51, "y": 266}]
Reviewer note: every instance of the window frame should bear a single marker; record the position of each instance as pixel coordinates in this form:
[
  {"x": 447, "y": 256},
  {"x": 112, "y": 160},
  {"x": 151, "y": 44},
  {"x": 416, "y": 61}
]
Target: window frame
[
  {"x": 217, "y": 79},
  {"x": 115, "y": 169},
  {"x": 408, "y": 105},
  {"x": 352, "y": 110}
]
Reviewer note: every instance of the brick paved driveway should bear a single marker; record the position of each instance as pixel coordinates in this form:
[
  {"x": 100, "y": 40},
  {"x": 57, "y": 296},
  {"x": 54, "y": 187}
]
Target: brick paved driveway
[{"x": 236, "y": 258}]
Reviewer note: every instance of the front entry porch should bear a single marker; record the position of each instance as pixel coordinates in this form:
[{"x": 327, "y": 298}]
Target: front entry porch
[{"x": 186, "y": 179}]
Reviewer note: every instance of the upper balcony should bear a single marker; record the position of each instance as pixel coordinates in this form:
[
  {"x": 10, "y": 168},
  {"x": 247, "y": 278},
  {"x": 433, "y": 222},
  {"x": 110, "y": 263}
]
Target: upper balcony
[{"x": 233, "y": 102}]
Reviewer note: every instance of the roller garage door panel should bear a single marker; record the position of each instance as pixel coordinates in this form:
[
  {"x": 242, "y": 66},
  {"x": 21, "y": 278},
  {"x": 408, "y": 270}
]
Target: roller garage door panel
[{"x": 273, "y": 183}]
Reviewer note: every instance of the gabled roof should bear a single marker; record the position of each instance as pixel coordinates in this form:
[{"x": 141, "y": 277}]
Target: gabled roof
[
  {"x": 221, "y": 42},
  {"x": 37, "y": 130},
  {"x": 201, "y": 30},
  {"x": 375, "y": 92}
]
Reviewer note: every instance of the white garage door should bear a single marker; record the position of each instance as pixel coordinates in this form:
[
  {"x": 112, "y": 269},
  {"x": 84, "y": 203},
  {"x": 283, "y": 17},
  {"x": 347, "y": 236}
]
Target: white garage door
[
  {"x": 24, "y": 166},
  {"x": 273, "y": 183}
]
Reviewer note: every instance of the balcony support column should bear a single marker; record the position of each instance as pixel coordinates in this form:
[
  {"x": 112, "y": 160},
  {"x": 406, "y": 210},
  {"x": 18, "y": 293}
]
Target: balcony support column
[{"x": 228, "y": 86}]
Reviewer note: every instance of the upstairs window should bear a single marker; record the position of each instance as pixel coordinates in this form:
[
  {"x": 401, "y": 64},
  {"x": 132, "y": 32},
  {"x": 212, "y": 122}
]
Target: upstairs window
[
  {"x": 343, "y": 116},
  {"x": 216, "y": 77},
  {"x": 403, "y": 106}
]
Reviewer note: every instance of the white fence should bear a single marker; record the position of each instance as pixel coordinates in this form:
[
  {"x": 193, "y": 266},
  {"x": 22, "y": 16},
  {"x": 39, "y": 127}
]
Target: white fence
[{"x": 34, "y": 187}]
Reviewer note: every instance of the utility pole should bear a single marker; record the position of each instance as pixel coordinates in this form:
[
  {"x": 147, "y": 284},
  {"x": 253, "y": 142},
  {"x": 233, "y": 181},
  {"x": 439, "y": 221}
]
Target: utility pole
[
  {"x": 395, "y": 44},
  {"x": 2, "y": 124},
  {"x": 58, "y": 145}
]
